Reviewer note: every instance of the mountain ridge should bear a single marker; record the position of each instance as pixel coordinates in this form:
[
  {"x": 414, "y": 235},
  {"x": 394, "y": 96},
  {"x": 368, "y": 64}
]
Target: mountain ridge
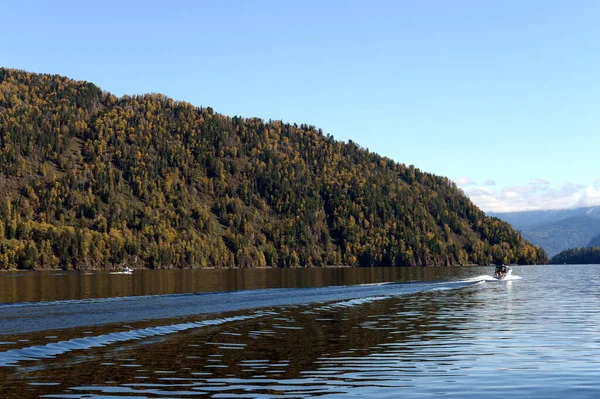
[
  {"x": 90, "y": 180},
  {"x": 521, "y": 219},
  {"x": 557, "y": 230},
  {"x": 594, "y": 242}
]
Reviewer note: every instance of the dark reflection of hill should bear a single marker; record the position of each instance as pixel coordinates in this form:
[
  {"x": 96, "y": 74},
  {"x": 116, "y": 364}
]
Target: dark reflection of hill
[
  {"x": 52, "y": 286},
  {"x": 284, "y": 351}
]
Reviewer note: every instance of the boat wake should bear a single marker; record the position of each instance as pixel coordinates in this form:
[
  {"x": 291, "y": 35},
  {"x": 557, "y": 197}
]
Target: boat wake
[
  {"x": 485, "y": 278},
  {"x": 259, "y": 303}
]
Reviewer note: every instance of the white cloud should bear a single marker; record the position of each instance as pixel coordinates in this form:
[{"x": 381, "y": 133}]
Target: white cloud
[
  {"x": 511, "y": 194},
  {"x": 489, "y": 182},
  {"x": 539, "y": 182},
  {"x": 480, "y": 191},
  {"x": 465, "y": 181},
  {"x": 537, "y": 195},
  {"x": 518, "y": 189},
  {"x": 569, "y": 188},
  {"x": 590, "y": 197}
]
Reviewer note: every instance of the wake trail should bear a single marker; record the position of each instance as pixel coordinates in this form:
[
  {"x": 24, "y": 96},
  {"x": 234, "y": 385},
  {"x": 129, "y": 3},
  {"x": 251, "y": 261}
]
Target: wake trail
[
  {"x": 340, "y": 298},
  {"x": 486, "y": 278},
  {"x": 41, "y": 316}
]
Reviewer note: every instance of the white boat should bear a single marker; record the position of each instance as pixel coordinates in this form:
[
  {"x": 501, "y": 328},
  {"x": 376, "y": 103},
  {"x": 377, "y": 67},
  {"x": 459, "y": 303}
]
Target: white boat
[
  {"x": 502, "y": 272},
  {"x": 126, "y": 270}
]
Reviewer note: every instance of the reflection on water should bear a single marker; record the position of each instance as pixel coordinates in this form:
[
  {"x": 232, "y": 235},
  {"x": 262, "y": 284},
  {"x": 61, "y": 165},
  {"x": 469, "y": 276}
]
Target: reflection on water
[
  {"x": 286, "y": 349},
  {"x": 456, "y": 338},
  {"x": 52, "y": 286}
]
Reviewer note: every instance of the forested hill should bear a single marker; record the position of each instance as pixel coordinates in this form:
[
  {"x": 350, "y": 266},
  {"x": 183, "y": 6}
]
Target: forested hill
[
  {"x": 577, "y": 256},
  {"x": 89, "y": 180}
]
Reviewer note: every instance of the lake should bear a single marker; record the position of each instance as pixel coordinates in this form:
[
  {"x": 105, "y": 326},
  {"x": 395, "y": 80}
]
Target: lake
[{"x": 296, "y": 333}]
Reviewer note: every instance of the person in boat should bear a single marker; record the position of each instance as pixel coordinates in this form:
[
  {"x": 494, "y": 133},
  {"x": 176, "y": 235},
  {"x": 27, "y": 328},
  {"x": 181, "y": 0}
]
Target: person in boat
[{"x": 501, "y": 270}]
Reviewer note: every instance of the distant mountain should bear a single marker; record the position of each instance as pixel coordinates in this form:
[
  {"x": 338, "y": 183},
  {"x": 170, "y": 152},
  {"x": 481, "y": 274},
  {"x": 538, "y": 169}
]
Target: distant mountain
[
  {"x": 595, "y": 242},
  {"x": 557, "y": 230},
  {"x": 572, "y": 232},
  {"x": 519, "y": 220}
]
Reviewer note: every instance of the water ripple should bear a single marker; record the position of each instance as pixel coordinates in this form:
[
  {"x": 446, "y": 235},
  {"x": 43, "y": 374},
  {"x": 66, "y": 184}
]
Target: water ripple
[
  {"x": 538, "y": 336},
  {"x": 51, "y": 350}
]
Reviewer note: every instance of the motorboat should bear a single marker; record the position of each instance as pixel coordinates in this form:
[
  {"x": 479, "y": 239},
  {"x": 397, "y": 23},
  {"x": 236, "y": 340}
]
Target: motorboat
[
  {"x": 126, "y": 270},
  {"x": 502, "y": 271}
]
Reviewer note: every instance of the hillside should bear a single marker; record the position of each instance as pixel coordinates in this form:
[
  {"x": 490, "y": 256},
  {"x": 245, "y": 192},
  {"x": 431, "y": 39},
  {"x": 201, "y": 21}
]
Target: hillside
[{"x": 89, "y": 180}]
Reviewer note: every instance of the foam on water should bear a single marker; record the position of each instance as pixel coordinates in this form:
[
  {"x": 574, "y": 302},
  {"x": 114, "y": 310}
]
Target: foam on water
[{"x": 484, "y": 278}]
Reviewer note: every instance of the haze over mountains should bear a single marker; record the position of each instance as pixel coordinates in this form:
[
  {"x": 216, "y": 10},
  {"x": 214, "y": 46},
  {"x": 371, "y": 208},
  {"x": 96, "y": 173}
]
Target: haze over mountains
[
  {"x": 557, "y": 230},
  {"x": 90, "y": 180}
]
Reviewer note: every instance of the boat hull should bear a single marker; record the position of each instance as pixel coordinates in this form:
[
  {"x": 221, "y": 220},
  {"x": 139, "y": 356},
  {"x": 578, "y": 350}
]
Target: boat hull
[{"x": 502, "y": 276}]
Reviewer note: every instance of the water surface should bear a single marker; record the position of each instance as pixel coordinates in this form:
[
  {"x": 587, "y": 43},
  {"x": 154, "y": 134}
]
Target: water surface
[{"x": 385, "y": 333}]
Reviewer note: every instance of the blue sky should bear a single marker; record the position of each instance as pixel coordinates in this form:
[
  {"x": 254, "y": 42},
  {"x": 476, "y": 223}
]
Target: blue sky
[{"x": 502, "y": 97}]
